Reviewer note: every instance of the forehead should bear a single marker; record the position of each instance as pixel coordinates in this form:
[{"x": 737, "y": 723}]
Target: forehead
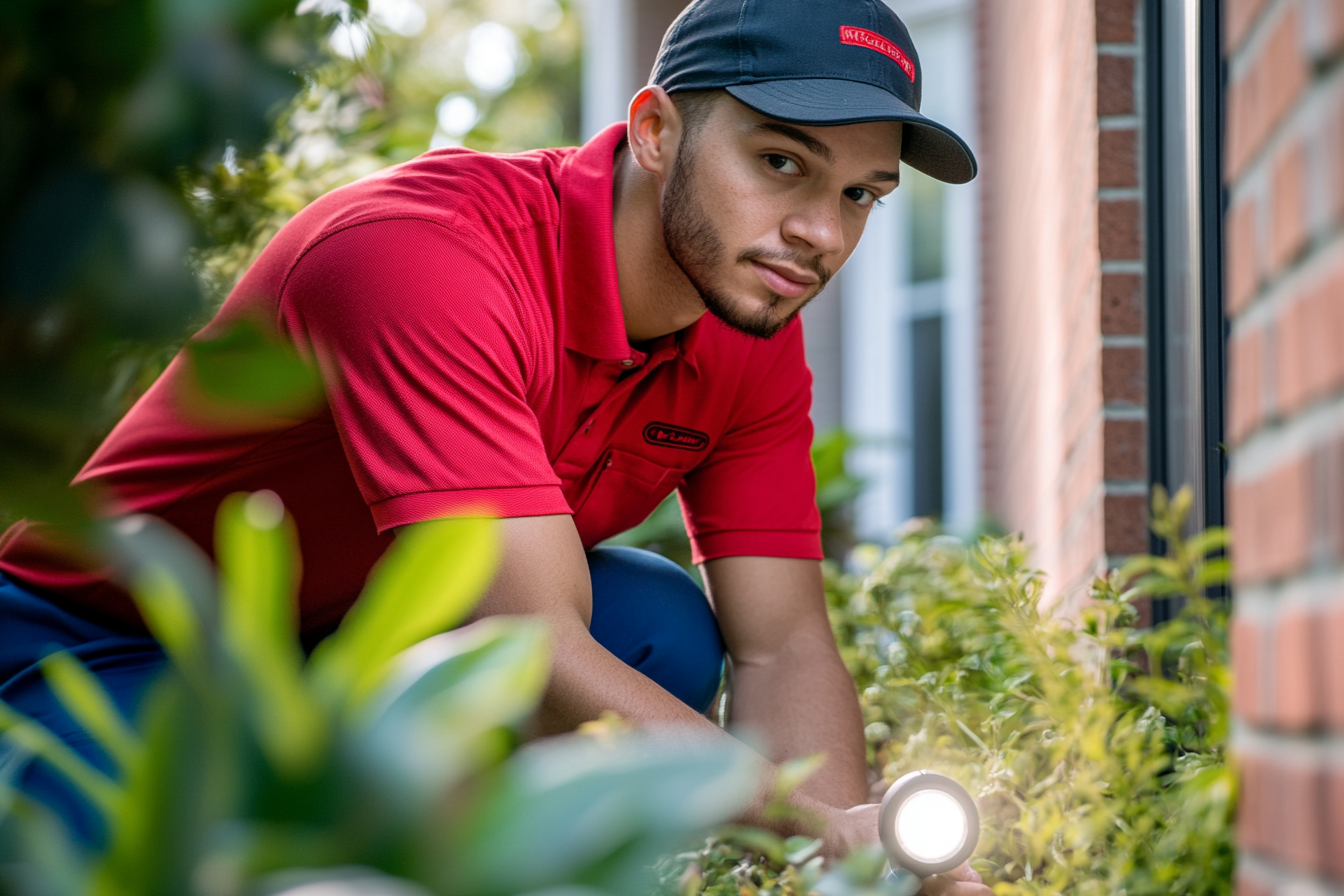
[{"x": 871, "y": 143}]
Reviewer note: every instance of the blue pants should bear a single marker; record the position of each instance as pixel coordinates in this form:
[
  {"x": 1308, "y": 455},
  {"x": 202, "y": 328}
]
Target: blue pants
[{"x": 646, "y": 610}]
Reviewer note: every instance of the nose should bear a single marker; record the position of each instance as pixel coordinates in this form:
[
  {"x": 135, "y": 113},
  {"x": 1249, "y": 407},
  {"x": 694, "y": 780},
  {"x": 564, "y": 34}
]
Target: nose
[{"x": 818, "y": 229}]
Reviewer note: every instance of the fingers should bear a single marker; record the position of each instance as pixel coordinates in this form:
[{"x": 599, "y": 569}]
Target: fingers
[
  {"x": 942, "y": 885},
  {"x": 960, "y": 881}
]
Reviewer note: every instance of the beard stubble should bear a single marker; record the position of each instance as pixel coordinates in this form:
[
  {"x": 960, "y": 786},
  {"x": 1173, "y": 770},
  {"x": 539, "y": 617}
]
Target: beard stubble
[{"x": 697, "y": 248}]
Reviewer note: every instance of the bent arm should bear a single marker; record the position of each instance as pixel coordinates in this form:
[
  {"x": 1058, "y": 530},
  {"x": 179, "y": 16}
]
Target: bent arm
[
  {"x": 543, "y": 573},
  {"x": 789, "y": 684}
]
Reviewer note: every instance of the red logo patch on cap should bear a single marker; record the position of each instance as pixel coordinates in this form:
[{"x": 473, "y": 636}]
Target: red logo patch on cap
[{"x": 860, "y": 37}]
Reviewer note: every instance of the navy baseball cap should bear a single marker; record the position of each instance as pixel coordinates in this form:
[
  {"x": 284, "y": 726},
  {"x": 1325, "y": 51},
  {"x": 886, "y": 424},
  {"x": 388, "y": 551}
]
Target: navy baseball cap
[{"x": 813, "y": 62}]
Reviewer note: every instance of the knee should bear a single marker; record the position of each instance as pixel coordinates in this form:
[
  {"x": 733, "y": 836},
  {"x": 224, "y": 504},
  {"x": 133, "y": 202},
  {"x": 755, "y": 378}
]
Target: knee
[{"x": 651, "y": 614}]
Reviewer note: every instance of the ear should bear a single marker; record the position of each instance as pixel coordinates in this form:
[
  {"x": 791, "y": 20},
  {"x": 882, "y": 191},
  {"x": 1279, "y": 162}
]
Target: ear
[{"x": 654, "y": 131}]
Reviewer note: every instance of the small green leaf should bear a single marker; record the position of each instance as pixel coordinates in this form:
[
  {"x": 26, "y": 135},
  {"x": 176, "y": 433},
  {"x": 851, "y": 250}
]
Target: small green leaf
[
  {"x": 433, "y": 721},
  {"x": 173, "y": 584},
  {"x": 572, "y": 809},
  {"x": 171, "y": 619},
  {"x": 427, "y": 583},
  {"x": 35, "y": 739},
  {"x": 247, "y": 367},
  {"x": 257, "y": 550},
  {"x": 88, "y": 703}
]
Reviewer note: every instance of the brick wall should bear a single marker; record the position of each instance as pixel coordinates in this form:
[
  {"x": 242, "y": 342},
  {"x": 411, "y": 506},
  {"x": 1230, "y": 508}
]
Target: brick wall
[
  {"x": 1063, "y": 384},
  {"x": 1285, "y": 299},
  {"x": 1120, "y": 215}
]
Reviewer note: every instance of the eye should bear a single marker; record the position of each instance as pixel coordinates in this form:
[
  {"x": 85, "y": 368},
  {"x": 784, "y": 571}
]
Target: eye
[
  {"x": 862, "y": 196},
  {"x": 782, "y": 164}
]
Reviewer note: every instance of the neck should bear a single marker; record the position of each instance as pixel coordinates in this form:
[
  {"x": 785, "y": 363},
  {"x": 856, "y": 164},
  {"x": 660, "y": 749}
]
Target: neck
[{"x": 656, "y": 297}]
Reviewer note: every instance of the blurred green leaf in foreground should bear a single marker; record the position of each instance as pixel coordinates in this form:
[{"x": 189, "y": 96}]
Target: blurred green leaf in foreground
[{"x": 387, "y": 763}]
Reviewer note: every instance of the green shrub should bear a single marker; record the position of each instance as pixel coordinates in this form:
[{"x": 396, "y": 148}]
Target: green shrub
[
  {"x": 1093, "y": 777},
  {"x": 387, "y": 760}
]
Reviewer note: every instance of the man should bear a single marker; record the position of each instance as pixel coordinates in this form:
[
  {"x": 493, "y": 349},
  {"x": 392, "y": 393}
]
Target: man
[{"x": 527, "y": 336}]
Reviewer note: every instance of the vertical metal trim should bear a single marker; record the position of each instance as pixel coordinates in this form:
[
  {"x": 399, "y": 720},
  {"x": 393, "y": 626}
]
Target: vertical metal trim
[
  {"x": 1155, "y": 308},
  {"x": 1213, "y": 196}
]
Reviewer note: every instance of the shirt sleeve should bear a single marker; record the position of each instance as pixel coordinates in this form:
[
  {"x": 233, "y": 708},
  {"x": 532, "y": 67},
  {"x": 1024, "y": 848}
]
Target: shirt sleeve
[
  {"x": 755, "y": 495},
  {"x": 430, "y": 359}
]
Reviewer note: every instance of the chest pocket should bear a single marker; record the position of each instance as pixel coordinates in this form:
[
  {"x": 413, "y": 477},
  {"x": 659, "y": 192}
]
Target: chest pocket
[{"x": 624, "y": 490}]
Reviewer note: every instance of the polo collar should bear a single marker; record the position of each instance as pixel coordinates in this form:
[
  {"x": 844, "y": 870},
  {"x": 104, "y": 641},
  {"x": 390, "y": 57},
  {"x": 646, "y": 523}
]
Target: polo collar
[{"x": 594, "y": 321}]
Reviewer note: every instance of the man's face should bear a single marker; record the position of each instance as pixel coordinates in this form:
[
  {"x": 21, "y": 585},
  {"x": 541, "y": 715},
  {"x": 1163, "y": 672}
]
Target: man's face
[{"x": 760, "y": 214}]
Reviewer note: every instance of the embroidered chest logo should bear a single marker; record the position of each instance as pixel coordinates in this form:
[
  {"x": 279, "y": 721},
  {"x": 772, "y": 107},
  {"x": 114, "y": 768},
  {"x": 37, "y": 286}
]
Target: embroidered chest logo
[
  {"x": 859, "y": 37},
  {"x": 669, "y": 436}
]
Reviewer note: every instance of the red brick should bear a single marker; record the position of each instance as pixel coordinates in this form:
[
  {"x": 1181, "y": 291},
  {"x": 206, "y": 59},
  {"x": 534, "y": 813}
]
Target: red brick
[
  {"x": 1334, "y": 823},
  {"x": 1243, "y": 247},
  {"x": 1237, "y": 18},
  {"x": 1309, "y": 334},
  {"x": 1329, "y": 475},
  {"x": 1122, "y": 302},
  {"x": 1259, "y": 99},
  {"x": 1301, "y": 815},
  {"x": 1257, "y": 821},
  {"x": 1293, "y": 375},
  {"x": 1246, "y": 401},
  {"x": 1115, "y": 85},
  {"x": 1245, "y": 640},
  {"x": 1272, "y": 519},
  {"x": 1297, "y": 698},
  {"x": 1123, "y": 376},
  {"x": 1331, "y": 653},
  {"x": 1125, "y": 449},
  {"x": 1282, "y": 810},
  {"x": 1126, "y": 525},
  {"x": 1115, "y": 21},
  {"x": 1118, "y": 158},
  {"x": 1288, "y": 207},
  {"x": 1120, "y": 226}
]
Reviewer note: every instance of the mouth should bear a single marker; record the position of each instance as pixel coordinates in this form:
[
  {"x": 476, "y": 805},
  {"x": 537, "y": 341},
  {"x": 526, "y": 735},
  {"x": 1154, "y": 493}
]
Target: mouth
[{"x": 785, "y": 280}]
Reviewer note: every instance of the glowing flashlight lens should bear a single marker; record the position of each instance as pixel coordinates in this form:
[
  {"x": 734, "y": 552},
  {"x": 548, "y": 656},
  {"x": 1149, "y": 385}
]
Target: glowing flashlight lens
[{"x": 931, "y": 826}]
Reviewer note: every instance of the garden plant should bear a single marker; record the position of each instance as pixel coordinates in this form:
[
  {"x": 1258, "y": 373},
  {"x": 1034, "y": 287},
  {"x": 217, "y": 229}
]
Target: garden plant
[
  {"x": 1097, "y": 749},
  {"x": 385, "y": 763}
]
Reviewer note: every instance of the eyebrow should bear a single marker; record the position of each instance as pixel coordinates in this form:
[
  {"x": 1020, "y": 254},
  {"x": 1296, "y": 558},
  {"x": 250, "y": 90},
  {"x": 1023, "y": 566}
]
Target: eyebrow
[
  {"x": 793, "y": 133},
  {"x": 890, "y": 177}
]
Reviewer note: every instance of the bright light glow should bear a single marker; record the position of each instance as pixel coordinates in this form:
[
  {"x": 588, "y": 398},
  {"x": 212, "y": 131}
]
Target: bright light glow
[
  {"x": 404, "y": 17},
  {"x": 457, "y": 114},
  {"x": 931, "y": 826},
  {"x": 350, "y": 39},
  {"x": 492, "y": 57}
]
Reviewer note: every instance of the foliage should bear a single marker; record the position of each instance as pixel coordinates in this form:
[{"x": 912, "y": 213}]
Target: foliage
[
  {"x": 101, "y": 106},
  {"x": 386, "y": 761},
  {"x": 147, "y": 140},
  {"x": 665, "y": 532},
  {"x": 398, "y": 77},
  {"x": 1092, "y": 777}
]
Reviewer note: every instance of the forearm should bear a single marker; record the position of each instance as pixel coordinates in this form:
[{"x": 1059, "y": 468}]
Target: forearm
[
  {"x": 586, "y": 680},
  {"x": 801, "y": 700}
]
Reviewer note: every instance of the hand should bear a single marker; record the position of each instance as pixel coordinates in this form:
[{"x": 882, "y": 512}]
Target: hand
[
  {"x": 960, "y": 881},
  {"x": 848, "y": 829}
]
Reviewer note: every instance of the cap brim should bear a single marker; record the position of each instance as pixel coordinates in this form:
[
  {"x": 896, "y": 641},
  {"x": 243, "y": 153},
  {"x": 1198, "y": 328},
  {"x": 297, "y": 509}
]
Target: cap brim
[{"x": 927, "y": 145}]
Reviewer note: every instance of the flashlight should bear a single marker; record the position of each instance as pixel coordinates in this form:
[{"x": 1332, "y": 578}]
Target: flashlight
[{"x": 928, "y": 824}]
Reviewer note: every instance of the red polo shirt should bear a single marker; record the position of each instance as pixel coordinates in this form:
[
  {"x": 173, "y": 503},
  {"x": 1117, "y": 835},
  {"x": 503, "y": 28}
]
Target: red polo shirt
[{"x": 464, "y": 313}]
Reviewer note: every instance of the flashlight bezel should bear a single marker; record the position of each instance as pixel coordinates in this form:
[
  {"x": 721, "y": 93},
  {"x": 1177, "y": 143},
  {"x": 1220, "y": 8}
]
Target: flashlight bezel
[{"x": 906, "y": 787}]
